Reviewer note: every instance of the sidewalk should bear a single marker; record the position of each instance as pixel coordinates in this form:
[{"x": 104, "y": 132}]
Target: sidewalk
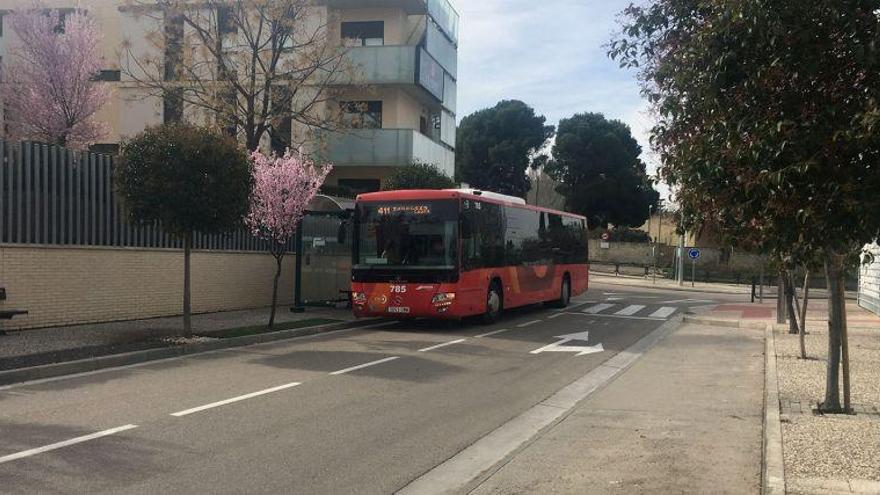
[
  {"x": 831, "y": 454},
  {"x": 685, "y": 418},
  {"x": 28, "y": 348}
]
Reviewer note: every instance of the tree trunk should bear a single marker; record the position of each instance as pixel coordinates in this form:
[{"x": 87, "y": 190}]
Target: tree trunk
[
  {"x": 836, "y": 321},
  {"x": 789, "y": 304},
  {"x": 780, "y": 298},
  {"x": 804, "y": 314},
  {"x": 797, "y": 300},
  {"x": 187, "y": 305},
  {"x": 278, "y": 259}
]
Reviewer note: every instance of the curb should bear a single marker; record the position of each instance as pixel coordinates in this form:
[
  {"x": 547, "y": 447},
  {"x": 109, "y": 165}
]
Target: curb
[
  {"x": 53, "y": 370},
  {"x": 611, "y": 281},
  {"x": 702, "y": 320},
  {"x": 772, "y": 462}
]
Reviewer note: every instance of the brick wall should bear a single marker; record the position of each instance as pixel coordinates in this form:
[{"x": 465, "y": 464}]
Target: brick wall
[{"x": 70, "y": 285}]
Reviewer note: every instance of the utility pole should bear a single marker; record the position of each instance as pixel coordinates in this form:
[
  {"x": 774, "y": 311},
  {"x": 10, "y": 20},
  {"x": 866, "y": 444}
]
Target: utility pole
[
  {"x": 681, "y": 262},
  {"x": 657, "y": 242},
  {"x": 297, "y": 274},
  {"x": 654, "y": 242}
]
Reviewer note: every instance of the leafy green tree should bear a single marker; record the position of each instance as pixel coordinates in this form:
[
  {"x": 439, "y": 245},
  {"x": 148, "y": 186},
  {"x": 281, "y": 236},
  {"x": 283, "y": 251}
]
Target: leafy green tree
[
  {"x": 418, "y": 176},
  {"x": 188, "y": 179},
  {"x": 597, "y": 162},
  {"x": 768, "y": 127},
  {"x": 496, "y": 146}
]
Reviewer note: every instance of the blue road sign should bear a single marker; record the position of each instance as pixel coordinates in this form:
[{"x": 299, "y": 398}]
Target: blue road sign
[{"x": 694, "y": 253}]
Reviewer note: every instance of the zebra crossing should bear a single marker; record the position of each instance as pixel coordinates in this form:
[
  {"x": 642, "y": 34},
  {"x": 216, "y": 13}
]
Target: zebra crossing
[{"x": 638, "y": 311}]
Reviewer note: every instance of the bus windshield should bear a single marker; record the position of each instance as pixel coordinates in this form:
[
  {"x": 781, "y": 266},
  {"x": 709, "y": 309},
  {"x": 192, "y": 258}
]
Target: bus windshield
[{"x": 418, "y": 234}]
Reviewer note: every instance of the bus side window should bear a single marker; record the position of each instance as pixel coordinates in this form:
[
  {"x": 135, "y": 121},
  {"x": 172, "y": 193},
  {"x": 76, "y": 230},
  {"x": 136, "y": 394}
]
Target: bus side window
[{"x": 484, "y": 242}]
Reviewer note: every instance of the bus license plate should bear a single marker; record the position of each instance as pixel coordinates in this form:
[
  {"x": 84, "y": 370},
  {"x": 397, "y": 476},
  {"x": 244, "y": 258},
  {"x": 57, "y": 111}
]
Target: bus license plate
[{"x": 398, "y": 309}]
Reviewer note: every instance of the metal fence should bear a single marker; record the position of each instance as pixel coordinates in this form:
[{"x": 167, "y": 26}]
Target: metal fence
[{"x": 52, "y": 195}]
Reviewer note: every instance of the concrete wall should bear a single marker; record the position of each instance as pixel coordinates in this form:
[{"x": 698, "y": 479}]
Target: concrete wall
[
  {"x": 641, "y": 254},
  {"x": 71, "y": 285},
  {"x": 869, "y": 282}
]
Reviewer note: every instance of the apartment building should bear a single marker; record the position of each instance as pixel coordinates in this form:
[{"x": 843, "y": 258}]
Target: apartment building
[{"x": 402, "y": 99}]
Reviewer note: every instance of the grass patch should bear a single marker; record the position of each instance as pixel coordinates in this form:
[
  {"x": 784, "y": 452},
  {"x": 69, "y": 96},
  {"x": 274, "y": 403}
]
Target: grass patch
[{"x": 258, "y": 329}]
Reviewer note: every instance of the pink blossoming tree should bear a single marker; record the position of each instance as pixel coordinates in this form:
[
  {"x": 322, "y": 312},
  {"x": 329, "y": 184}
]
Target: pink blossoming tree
[
  {"x": 283, "y": 188},
  {"x": 47, "y": 78}
]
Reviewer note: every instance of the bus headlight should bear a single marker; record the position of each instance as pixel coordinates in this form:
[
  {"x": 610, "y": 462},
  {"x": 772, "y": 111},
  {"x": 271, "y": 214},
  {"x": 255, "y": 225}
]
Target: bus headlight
[{"x": 443, "y": 299}]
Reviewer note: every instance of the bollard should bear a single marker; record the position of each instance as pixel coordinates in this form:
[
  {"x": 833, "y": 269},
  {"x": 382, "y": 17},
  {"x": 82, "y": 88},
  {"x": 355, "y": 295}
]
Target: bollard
[{"x": 753, "y": 289}]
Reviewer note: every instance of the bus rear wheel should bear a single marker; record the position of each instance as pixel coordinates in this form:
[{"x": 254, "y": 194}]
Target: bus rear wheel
[
  {"x": 564, "y": 294},
  {"x": 494, "y": 304}
]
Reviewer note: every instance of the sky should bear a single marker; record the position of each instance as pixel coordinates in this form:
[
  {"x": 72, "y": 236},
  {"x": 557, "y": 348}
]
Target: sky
[{"x": 552, "y": 55}]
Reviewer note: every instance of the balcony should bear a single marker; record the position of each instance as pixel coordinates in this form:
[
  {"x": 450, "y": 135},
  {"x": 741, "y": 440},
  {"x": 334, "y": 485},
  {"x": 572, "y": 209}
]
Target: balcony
[
  {"x": 411, "y": 7},
  {"x": 385, "y": 148},
  {"x": 384, "y": 64}
]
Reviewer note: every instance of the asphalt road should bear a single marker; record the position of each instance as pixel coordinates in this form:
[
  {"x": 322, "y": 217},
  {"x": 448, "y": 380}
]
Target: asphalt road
[{"x": 355, "y": 411}]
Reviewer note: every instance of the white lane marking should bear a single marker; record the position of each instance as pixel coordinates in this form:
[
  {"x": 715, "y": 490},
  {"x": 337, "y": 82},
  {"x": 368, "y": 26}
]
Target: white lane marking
[
  {"x": 687, "y": 301},
  {"x": 234, "y": 399},
  {"x": 614, "y": 299},
  {"x": 444, "y": 344},
  {"x": 597, "y": 308},
  {"x": 521, "y": 325},
  {"x": 557, "y": 315},
  {"x": 620, "y": 316},
  {"x": 365, "y": 365},
  {"x": 664, "y": 312},
  {"x": 497, "y": 331},
  {"x": 66, "y": 443},
  {"x": 630, "y": 310},
  {"x": 704, "y": 306}
]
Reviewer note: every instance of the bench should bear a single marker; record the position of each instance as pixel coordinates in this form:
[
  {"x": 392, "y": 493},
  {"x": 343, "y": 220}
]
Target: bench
[
  {"x": 347, "y": 294},
  {"x": 8, "y": 314}
]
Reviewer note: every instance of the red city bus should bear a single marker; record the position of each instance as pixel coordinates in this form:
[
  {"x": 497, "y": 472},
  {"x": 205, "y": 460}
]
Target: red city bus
[{"x": 459, "y": 252}]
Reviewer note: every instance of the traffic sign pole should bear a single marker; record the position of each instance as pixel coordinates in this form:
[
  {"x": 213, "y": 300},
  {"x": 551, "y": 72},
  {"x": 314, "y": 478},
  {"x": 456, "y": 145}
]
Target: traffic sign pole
[{"x": 694, "y": 255}]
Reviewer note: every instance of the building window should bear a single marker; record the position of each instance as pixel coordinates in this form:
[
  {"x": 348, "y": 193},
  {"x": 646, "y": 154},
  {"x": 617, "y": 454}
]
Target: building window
[
  {"x": 1, "y": 24},
  {"x": 281, "y": 131},
  {"x": 362, "y": 114},
  {"x": 363, "y": 33},
  {"x": 108, "y": 75},
  {"x": 225, "y": 21},
  {"x": 360, "y": 186},
  {"x": 62, "y": 18}
]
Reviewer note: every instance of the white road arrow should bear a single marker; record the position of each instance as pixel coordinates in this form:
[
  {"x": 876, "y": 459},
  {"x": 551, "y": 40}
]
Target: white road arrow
[{"x": 579, "y": 349}]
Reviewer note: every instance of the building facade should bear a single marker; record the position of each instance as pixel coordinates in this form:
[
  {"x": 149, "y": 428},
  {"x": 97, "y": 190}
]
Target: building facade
[
  {"x": 869, "y": 279},
  {"x": 399, "y": 105}
]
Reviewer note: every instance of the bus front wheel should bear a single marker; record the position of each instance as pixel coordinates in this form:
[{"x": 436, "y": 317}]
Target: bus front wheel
[{"x": 494, "y": 304}]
